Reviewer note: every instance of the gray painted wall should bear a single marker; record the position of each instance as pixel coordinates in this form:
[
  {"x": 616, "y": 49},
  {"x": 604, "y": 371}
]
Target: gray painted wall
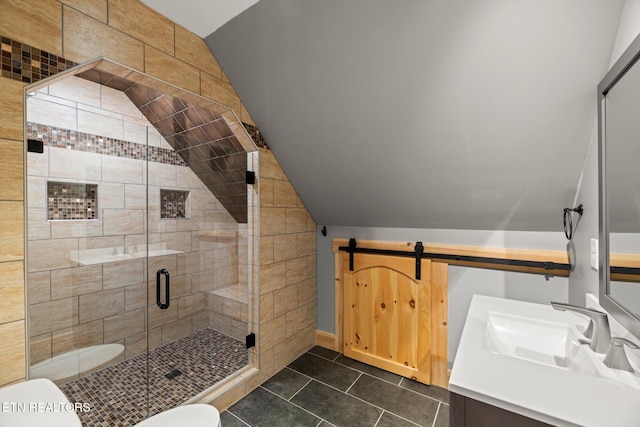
[
  {"x": 464, "y": 282},
  {"x": 583, "y": 279},
  {"x": 466, "y": 114}
]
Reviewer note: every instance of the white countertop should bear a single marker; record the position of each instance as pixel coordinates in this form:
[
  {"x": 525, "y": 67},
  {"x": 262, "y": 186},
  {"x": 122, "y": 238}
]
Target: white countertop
[{"x": 557, "y": 396}]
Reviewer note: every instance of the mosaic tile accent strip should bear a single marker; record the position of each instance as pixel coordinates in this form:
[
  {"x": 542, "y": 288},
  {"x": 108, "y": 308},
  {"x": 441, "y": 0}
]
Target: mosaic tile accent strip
[
  {"x": 72, "y": 201},
  {"x": 173, "y": 203},
  {"x": 256, "y": 135},
  {"x": 80, "y": 141},
  {"x": 28, "y": 64},
  {"x": 118, "y": 394}
]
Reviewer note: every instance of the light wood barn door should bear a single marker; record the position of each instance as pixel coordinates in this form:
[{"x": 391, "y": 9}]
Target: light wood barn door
[{"x": 387, "y": 314}]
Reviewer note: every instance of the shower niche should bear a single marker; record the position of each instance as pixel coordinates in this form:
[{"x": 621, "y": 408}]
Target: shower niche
[{"x": 139, "y": 196}]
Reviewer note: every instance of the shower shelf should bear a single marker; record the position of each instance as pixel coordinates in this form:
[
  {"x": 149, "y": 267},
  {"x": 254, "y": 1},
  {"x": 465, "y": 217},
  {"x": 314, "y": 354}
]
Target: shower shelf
[{"x": 107, "y": 255}]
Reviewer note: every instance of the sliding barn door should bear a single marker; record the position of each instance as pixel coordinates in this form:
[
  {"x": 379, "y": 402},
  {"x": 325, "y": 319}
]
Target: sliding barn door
[{"x": 387, "y": 314}]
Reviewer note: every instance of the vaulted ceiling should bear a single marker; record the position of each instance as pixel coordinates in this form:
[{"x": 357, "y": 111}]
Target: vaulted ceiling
[{"x": 465, "y": 114}]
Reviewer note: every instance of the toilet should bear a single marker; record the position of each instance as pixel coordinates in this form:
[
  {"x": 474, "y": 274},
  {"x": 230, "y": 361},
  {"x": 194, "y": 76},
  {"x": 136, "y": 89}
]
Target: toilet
[{"x": 40, "y": 403}]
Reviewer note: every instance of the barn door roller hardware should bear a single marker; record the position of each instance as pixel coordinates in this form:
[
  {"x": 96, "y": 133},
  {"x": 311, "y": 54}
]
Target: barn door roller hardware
[{"x": 543, "y": 267}]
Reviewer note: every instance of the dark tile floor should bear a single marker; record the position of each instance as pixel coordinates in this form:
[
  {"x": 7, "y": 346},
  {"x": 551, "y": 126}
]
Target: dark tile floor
[{"x": 324, "y": 388}]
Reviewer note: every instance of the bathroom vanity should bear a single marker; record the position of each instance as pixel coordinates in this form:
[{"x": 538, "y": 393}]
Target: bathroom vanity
[{"x": 521, "y": 364}]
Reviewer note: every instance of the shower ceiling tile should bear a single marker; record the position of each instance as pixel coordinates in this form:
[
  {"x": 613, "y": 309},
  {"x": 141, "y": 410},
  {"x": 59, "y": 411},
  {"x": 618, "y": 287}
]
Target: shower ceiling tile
[{"x": 197, "y": 129}]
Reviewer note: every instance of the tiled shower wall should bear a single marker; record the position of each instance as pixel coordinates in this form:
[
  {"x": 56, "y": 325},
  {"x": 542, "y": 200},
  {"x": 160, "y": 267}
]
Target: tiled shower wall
[
  {"x": 79, "y": 301},
  {"x": 131, "y": 34}
]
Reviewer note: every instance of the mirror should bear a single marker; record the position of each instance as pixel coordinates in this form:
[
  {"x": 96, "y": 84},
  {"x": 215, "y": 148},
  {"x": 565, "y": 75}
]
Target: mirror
[{"x": 619, "y": 185}]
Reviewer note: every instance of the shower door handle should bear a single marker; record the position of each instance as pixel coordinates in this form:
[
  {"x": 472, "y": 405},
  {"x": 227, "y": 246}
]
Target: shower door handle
[{"x": 162, "y": 271}]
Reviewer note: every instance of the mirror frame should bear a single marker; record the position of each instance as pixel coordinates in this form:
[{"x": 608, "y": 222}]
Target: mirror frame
[{"x": 630, "y": 56}]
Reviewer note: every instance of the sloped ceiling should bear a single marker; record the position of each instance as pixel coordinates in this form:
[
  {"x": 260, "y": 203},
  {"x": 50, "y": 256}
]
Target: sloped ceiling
[{"x": 466, "y": 114}]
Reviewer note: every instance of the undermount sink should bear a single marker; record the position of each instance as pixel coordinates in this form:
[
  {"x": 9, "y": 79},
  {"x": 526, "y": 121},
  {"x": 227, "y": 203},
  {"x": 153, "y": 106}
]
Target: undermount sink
[{"x": 536, "y": 340}]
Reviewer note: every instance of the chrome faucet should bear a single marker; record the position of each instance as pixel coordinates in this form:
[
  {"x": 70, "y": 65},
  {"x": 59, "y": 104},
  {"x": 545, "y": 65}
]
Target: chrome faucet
[
  {"x": 598, "y": 329},
  {"x": 616, "y": 357}
]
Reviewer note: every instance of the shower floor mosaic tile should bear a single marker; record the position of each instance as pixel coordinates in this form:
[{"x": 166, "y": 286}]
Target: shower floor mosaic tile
[{"x": 118, "y": 393}]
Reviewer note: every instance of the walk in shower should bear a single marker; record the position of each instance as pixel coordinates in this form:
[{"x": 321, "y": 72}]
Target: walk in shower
[{"x": 141, "y": 244}]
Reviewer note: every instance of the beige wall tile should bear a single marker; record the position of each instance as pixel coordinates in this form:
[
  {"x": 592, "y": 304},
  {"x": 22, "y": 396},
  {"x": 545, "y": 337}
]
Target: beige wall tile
[
  {"x": 285, "y": 246},
  {"x": 39, "y": 348},
  {"x": 38, "y": 287},
  {"x": 11, "y": 170},
  {"x": 296, "y": 220},
  {"x": 123, "y": 273},
  {"x": 220, "y": 91},
  {"x": 297, "y": 270},
  {"x": 239, "y": 329},
  {"x": 46, "y": 112},
  {"x": 234, "y": 309},
  {"x": 12, "y": 117},
  {"x": 285, "y": 300},
  {"x": 312, "y": 265},
  {"x": 311, "y": 224},
  {"x": 161, "y": 175},
  {"x": 296, "y": 320},
  {"x": 75, "y": 89},
  {"x": 71, "y": 164},
  {"x": 134, "y": 132},
  {"x": 11, "y": 231},
  {"x": 266, "y": 250},
  {"x": 272, "y": 221},
  {"x": 12, "y": 301},
  {"x": 135, "y": 297},
  {"x": 273, "y": 332},
  {"x": 95, "y": 8},
  {"x": 135, "y": 196},
  {"x": 284, "y": 196},
  {"x": 193, "y": 50},
  {"x": 306, "y": 243},
  {"x": 306, "y": 291},
  {"x": 53, "y": 315},
  {"x": 306, "y": 338},
  {"x": 191, "y": 304},
  {"x": 156, "y": 263},
  {"x": 125, "y": 221},
  {"x": 285, "y": 352},
  {"x": 266, "y": 192},
  {"x": 69, "y": 229},
  {"x": 140, "y": 21},
  {"x": 158, "y": 317},
  {"x": 37, "y": 23},
  {"x": 200, "y": 321},
  {"x": 100, "y": 243},
  {"x": 135, "y": 345},
  {"x": 101, "y": 304},
  {"x": 118, "y": 169},
  {"x": 221, "y": 323},
  {"x": 51, "y": 254},
  {"x": 85, "y": 38},
  {"x": 111, "y": 196},
  {"x": 37, "y": 192},
  {"x": 100, "y": 124},
  {"x": 124, "y": 325},
  {"x": 188, "y": 263},
  {"x": 171, "y": 70},
  {"x": 272, "y": 277},
  {"x": 12, "y": 349},
  {"x": 269, "y": 167},
  {"x": 71, "y": 282},
  {"x": 38, "y": 227},
  {"x": 266, "y": 307},
  {"x": 75, "y": 337},
  {"x": 177, "y": 241},
  {"x": 266, "y": 362},
  {"x": 176, "y": 330},
  {"x": 38, "y": 163}
]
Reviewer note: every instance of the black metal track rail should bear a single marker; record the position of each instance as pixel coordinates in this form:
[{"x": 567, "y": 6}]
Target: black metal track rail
[
  {"x": 420, "y": 254},
  {"x": 625, "y": 270}
]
